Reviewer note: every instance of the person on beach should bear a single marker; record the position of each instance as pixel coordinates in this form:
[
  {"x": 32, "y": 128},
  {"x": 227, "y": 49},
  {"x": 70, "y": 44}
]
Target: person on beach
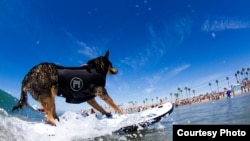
[{"x": 228, "y": 92}]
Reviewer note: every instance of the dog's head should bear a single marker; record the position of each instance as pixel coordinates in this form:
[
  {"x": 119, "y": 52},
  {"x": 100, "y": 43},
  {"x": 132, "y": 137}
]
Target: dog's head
[{"x": 103, "y": 65}]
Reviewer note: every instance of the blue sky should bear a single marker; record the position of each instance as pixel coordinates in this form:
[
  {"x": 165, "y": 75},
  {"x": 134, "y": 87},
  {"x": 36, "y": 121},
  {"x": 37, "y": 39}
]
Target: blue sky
[{"x": 157, "y": 46}]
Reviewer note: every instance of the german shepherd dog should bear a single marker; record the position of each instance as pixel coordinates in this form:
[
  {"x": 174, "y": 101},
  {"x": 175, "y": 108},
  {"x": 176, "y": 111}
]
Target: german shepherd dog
[{"x": 76, "y": 84}]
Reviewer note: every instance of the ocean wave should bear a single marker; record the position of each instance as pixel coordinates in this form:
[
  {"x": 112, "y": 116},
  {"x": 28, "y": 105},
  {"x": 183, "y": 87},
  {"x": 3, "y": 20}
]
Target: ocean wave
[
  {"x": 3, "y": 112},
  {"x": 72, "y": 126},
  {"x": 28, "y": 125},
  {"x": 12, "y": 128}
]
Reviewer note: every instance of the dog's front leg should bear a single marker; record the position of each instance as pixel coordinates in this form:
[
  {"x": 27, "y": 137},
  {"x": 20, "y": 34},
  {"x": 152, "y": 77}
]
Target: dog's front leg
[
  {"x": 111, "y": 103},
  {"x": 102, "y": 93},
  {"x": 95, "y": 105}
]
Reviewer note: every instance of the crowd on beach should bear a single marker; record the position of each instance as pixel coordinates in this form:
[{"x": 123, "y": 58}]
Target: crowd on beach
[
  {"x": 209, "y": 96},
  {"x": 225, "y": 93}
]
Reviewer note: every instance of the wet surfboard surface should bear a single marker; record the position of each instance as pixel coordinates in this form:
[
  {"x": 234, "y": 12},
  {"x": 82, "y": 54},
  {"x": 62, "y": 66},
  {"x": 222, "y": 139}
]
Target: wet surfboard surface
[{"x": 143, "y": 119}]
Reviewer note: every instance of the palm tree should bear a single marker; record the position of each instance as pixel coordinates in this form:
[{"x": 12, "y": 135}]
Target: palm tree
[
  {"x": 131, "y": 102},
  {"x": 176, "y": 95},
  {"x": 189, "y": 92},
  {"x": 135, "y": 103},
  {"x": 180, "y": 91},
  {"x": 238, "y": 73},
  {"x": 209, "y": 84},
  {"x": 236, "y": 76},
  {"x": 243, "y": 73},
  {"x": 248, "y": 72},
  {"x": 227, "y": 78},
  {"x": 186, "y": 88},
  {"x": 181, "y": 94},
  {"x": 171, "y": 96},
  {"x": 193, "y": 92},
  {"x": 217, "y": 82},
  {"x": 242, "y": 77}
]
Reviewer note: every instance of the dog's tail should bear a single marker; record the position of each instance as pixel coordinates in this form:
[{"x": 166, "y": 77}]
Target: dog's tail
[{"x": 23, "y": 100}]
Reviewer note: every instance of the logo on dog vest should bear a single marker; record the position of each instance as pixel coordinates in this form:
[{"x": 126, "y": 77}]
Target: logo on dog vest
[{"x": 76, "y": 84}]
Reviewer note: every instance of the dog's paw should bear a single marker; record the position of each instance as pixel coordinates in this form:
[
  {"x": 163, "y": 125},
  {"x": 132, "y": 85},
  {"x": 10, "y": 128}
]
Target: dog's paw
[
  {"x": 109, "y": 115},
  {"x": 101, "y": 116}
]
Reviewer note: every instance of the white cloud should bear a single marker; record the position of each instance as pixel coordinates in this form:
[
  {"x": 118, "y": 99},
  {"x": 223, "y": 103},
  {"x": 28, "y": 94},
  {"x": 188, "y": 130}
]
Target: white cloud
[
  {"x": 130, "y": 62},
  {"x": 87, "y": 50},
  {"x": 160, "y": 42},
  {"x": 180, "y": 69},
  {"x": 224, "y": 24},
  {"x": 136, "y": 61},
  {"x": 149, "y": 90},
  {"x": 152, "y": 81},
  {"x": 213, "y": 34}
]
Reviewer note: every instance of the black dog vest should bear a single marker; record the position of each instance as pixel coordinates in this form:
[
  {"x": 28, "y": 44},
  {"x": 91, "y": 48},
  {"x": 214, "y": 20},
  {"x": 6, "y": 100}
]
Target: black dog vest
[{"x": 76, "y": 84}]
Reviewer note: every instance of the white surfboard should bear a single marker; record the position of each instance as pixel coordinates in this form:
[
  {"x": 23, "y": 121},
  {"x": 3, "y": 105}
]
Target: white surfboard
[{"x": 145, "y": 118}]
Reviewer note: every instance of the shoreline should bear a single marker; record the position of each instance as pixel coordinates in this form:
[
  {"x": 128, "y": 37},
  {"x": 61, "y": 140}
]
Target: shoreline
[
  {"x": 206, "y": 98},
  {"x": 184, "y": 102}
]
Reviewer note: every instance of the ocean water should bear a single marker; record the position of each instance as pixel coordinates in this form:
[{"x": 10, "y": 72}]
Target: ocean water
[{"x": 27, "y": 124}]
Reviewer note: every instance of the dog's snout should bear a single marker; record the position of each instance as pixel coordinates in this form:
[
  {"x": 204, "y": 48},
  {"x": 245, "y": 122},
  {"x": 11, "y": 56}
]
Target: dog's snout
[{"x": 113, "y": 71}]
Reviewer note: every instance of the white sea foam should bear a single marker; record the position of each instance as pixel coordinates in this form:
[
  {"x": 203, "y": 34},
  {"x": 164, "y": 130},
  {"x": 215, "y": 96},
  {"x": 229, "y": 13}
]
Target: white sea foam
[{"x": 72, "y": 126}]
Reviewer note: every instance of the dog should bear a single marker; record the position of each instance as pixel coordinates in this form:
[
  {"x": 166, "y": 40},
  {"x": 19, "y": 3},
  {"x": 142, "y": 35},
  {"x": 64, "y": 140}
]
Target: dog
[{"x": 77, "y": 84}]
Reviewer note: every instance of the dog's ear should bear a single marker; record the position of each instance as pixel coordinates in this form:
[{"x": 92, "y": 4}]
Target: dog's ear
[{"x": 107, "y": 54}]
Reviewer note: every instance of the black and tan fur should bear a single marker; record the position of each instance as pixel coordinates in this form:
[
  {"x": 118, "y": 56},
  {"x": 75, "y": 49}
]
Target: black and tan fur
[{"x": 42, "y": 82}]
